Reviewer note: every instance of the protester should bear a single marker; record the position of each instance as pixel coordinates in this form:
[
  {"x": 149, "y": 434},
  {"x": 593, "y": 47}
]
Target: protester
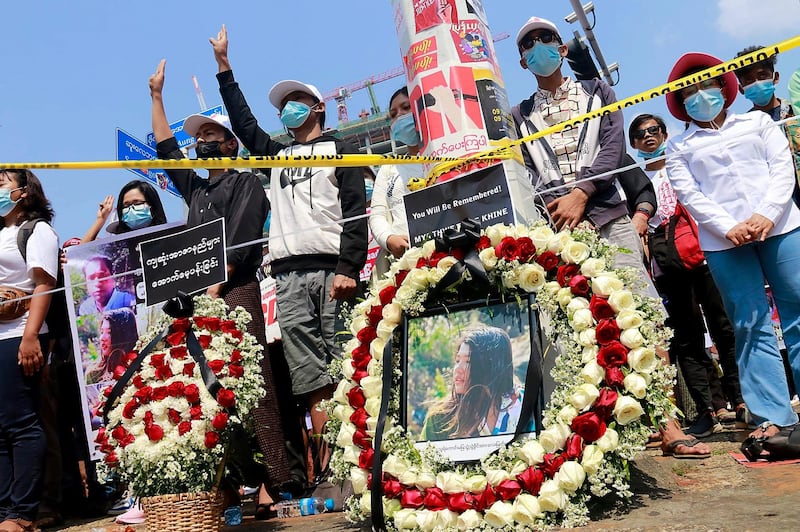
[
  {"x": 387, "y": 219},
  {"x": 734, "y": 175},
  {"x": 23, "y": 344},
  {"x": 315, "y": 261},
  {"x": 138, "y": 206},
  {"x": 102, "y": 288},
  {"x": 685, "y": 290}
]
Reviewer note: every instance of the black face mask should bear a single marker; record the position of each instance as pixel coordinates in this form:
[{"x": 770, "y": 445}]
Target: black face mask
[{"x": 206, "y": 150}]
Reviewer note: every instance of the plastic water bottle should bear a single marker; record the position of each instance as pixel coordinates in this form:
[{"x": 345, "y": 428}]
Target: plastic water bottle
[
  {"x": 233, "y": 515},
  {"x": 286, "y": 508},
  {"x": 315, "y": 505}
]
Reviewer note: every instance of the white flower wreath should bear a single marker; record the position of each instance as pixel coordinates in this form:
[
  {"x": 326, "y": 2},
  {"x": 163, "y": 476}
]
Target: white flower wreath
[{"x": 607, "y": 376}]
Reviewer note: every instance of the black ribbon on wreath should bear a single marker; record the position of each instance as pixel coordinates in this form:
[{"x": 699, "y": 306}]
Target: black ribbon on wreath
[
  {"x": 180, "y": 306},
  {"x": 461, "y": 241}
]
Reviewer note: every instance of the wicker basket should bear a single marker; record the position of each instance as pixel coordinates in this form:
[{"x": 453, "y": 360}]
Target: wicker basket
[{"x": 184, "y": 512}]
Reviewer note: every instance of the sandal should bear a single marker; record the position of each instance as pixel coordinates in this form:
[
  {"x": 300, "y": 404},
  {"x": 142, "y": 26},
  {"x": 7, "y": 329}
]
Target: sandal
[
  {"x": 765, "y": 430},
  {"x": 671, "y": 449}
]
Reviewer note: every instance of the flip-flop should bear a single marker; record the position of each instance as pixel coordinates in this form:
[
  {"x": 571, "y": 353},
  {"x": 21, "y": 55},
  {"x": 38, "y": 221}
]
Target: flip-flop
[{"x": 672, "y": 446}]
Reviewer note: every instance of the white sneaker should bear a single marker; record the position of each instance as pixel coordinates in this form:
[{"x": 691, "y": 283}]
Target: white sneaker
[
  {"x": 795, "y": 402},
  {"x": 122, "y": 505},
  {"x": 134, "y": 516}
]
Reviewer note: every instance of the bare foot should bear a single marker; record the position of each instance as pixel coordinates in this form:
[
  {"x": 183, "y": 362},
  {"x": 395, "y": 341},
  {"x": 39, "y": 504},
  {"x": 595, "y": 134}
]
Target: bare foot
[{"x": 765, "y": 430}]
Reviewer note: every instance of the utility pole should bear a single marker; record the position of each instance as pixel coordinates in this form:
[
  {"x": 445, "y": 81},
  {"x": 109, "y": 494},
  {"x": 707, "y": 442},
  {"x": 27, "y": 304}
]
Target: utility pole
[{"x": 579, "y": 14}]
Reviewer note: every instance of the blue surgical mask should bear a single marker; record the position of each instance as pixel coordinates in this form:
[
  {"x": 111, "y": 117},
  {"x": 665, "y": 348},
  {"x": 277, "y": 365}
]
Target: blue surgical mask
[
  {"x": 136, "y": 216},
  {"x": 653, "y": 154},
  {"x": 404, "y": 130},
  {"x": 368, "y": 186},
  {"x": 6, "y": 203},
  {"x": 760, "y": 92},
  {"x": 294, "y": 114},
  {"x": 543, "y": 59},
  {"x": 704, "y": 105}
]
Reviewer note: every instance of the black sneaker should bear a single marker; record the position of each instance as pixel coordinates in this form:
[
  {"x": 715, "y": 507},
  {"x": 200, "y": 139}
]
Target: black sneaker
[{"x": 705, "y": 425}]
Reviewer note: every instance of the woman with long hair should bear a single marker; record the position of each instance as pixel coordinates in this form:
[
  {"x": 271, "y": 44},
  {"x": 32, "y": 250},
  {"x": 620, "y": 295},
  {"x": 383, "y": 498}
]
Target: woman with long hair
[
  {"x": 138, "y": 206},
  {"x": 118, "y": 335},
  {"x": 23, "y": 342}
]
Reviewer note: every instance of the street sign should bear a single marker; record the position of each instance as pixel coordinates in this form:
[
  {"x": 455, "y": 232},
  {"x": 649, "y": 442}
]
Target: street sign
[
  {"x": 184, "y": 139},
  {"x": 129, "y": 148}
]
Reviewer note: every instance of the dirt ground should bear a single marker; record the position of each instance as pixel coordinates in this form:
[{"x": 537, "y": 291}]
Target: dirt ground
[{"x": 669, "y": 495}]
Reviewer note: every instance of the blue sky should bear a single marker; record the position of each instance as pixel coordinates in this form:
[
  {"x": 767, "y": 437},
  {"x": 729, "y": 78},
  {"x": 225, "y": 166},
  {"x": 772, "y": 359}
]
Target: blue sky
[{"x": 75, "y": 71}]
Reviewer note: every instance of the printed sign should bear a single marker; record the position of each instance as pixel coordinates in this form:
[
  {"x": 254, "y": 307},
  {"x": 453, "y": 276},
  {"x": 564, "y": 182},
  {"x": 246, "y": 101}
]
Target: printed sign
[
  {"x": 189, "y": 261},
  {"x": 482, "y": 194}
]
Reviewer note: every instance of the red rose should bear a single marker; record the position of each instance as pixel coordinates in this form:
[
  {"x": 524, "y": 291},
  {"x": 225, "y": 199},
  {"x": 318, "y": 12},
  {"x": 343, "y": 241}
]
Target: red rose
[
  {"x": 615, "y": 378},
  {"x": 359, "y": 418},
  {"x": 236, "y": 371},
  {"x": 188, "y": 369},
  {"x": 507, "y": 249},
  {"x": 411, "y": 498},
  {"x": 400, "y": 277},
  {"x": 163, "y": 372},
  {"x": 196, "y": 412},
  {"x": 548, "y": 260},
  {"x": 365, "y": 458},
  {"x": 508, "y": 489},
  {"x": 436, "y": 256},
  {"x": 362, "y": 439},
  {"x": 434, "y": 499},
  {"x": 483, "y": 243},
  {"x": 127, "y": 440},
  {"x": 138, "y": 381},
  {"x": 212, "y": 323},
  {"x": 226, "y": 398},
  {"x": 387, "y": 295},
  {"x": 119, "y": 371},
  {"x": 176, "y": 389},
  {"x": 579, "y": 285},
  {"x": 107, "y": 391},
  {"x": 111, "y": 459},
  {"x": 220, "y": 421},
  {"x": 157, "y": 360},
  {"x": 178, "y": 352},
  {"x": 600, "y": 308},
  {"x": 574, "y": 447},
  {"x": 236, "y": 355},
  {"x": 375, "y": 315},
  {"x": 176, "y": 338},
  {"x": 531, "y": 480},
  {"x": 392, "y": 488},
  {"x": 143, "y": 394},
  {"x": 129, "y": 409},
  {"x": 192, "y": 393},
  {"x": 527, "y": 249},
  {"x": 604, "y": 405},
  {"x": 359, "y": 353},
  {"x": 160, "y": 393},
  {"x": 154, "y": 432},
  {"x": 205, "y": 340},
  {"x": 458, "y": 253},
  {"x": 359, "y": 374},
  {"x": 607, "y": 331},
  {"x": 184, "y": 427},
  {"x": 181, "y": 325},
  {"x": 216, "y": 365},
  {"x": 612, "y": 355},
  {"x": 356, "y": 397},
  {"x": 361, "y": 362},
  {"x": 422, "y": 262},
  {"x": 211, "y": 440},
  {"x": 589, "y": 426},
  {"x": 367, "y": 334},
  {"x": 228, "y": 326},
  {"x": 119, "y": 433},
  {"x": 485, "y": 499},
  {"x": 566, "y": 272},
  {"x": 148, "y": 418},
  {"x": 237, "y": 335},
  {"x": 174, "y": 416},
  {"x": 551, "y": 464},
  {"x": 130, "y": 357},
  {"x": 460, "y": 502}
]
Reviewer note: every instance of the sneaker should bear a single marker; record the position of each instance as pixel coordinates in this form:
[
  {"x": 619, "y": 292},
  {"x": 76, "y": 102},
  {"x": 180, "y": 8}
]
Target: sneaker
[
  {"x": 795, "y": 402},
  {"x": 705, "y": 425},
  {"x": 134, "y": 516},
  {"x": 122, "y": 505}
]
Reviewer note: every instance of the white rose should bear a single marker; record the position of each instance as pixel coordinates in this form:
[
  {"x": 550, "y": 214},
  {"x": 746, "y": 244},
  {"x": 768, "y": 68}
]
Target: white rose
[
  {"x": 517, "y": 467},
  {"x": 409, "y": 476},
  {"x": 571, "y": 476},
  {"x": 376, "y": 348},
  {"x": 366, "y": 502},
  {"x": 390, "y": 506},
  {"x": 520, "y": 231},
  {"x": 541, "y": 236},
  {"x": 592, "y": 458},
  {"x": 551, "y": 497},
  {"x": 575, "y": 252},
  {"x": 358, "y": 477},
  {"x": 552, "y": 287},
  {"x": 347, "y": 368},
  {"x": 558, "y": 242},
  {"x": 589, "y": 353},
  {"x": 532, "y": 277},
  {"x": 582, "y": 319},
  {"x": 372, "y": 386},
  {"x": 373, "y": 406},
  {"x": 385, "y": 329},
  {"x": 446, "y": 520},
  {"x": 428, "y": 248},
  {"x": 405, "y": 519},
  {"x": 416, "y": 279},
  {"x": 404, "y": 293},
  {"x": 526, "y": 509},
  {"x": 410, "y": 258},
  {"x": 450, "y": 482},
  {"x": 567, "y": 414},
  {"x": 587, "y": 337},
  {"x": 627, "y": 409},
  {"x": 469, "y": 520},
  {"x": 577, "y": 303},
  {"x": 631, "y": 338},
  {"x": 564, "y": 296},
  {"x": 340, "y": 394},
  {"x": 345, "y": 436},
  {"x": 488, "y": 258},
  {"x": 445, "y": 263},
  {"x": 606, "y": 283},
  {"x": 496, "y": 476},
  {"x": 343, "y": 412},
  {"x": 593, "y": 267},
  {"x": 593, "y": 373},
  {"x": 358, "y": 323},
  {"x": 584, "y": 396},
  {"x": 532, "y": 452},
  {"x": 629, "y": 319},
  {"x": 608, "y": 441},
  {"x": 510, "y": 278},
  {"x": 500, "y": 514},
  {"x": 425, "y": 479},
  {"x": 435, "y": 275},
  {"x": 392, "y": 313},
  {"x": 394, "y": 465},
  {"x": 554, "y": 437},
  {"x": 350, "y": 346},
  {"x": 351, "y": 454},
  {"x": 621, "y": 300},
  {"x": 643, "y": 359},
  {"x": 475, "y": 483},
  {"x": 496, "y": 233},
  {"x": 635, "y": 384},
  {"x": 375, "y": 366},
  {"x": 382, "y": 283}
]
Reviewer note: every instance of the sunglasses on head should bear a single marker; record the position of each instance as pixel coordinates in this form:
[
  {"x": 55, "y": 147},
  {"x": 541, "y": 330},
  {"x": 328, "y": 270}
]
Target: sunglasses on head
[
  {"x": 529, "y": 40},
  {"x": 640, "y": 133}
]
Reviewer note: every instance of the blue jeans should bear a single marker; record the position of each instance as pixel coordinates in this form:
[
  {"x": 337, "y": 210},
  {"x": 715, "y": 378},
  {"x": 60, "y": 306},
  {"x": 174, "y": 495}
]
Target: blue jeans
[
  {"x": 740, "y": 274},
  {"x": 22, "y": 441}
]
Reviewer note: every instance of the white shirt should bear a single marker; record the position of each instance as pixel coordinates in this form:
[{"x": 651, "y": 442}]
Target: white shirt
[
  {"x": 388, "y": 212},
  {"x": 42, "y": 252},
  {"x": 665, "y": 197},
  {"x": 724, "y": 176}
]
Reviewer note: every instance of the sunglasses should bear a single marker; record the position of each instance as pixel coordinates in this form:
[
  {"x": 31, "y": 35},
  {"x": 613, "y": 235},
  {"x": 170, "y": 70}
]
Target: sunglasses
[
  {"x": 529, "y": 40},
  {"x": 640, "y": 133}
]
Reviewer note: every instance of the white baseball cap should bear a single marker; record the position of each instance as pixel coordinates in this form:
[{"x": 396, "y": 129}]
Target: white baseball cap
[
  {"x": 282, "y": 89},
  {"x": 536, "y": 23},
  {"x": 192, "y": 124}
]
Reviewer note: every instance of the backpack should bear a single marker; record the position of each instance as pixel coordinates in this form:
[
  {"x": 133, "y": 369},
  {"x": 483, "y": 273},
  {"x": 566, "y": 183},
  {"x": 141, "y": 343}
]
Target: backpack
[{"x": 24, "y": 234}]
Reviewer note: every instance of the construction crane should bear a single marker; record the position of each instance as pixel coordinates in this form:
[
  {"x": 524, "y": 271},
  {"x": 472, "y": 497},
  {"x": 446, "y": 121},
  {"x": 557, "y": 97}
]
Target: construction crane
[{"x": 340, "y": 94}]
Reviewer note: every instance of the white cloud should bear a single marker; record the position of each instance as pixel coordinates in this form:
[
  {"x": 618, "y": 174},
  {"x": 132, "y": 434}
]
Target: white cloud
[{"x": 748, "y": 19}]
